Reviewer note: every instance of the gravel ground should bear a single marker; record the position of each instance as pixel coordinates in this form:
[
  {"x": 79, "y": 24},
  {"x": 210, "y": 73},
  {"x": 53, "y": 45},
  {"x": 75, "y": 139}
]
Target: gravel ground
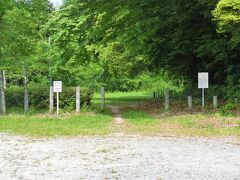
[{"x": 118, "y": 157}]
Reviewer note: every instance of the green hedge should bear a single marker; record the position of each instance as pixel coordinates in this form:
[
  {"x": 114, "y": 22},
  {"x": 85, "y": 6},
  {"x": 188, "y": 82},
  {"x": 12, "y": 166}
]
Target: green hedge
[{"x": 39, "y": 97}]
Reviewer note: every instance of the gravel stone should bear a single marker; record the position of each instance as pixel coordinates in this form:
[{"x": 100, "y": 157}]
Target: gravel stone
[{"x": 119, "y": 157}]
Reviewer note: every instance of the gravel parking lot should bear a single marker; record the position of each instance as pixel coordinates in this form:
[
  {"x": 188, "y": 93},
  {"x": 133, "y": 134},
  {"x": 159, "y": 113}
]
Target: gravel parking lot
[{"x": 119, "y": 157}]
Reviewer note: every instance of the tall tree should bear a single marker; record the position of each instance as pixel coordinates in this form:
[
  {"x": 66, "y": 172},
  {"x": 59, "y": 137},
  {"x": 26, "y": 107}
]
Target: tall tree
[
  {"x": 5, "y": 5},
  {"x": 20, "y": 39},
  {"x": 227, "y": 17}
]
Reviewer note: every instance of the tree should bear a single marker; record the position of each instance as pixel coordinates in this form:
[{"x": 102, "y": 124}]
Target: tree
[
  {"x": 227, "y": 15},
  {"x": 20, "y": 38},
  {"x": 4, "y": 6},
  {"x": 22, "y": 43}
]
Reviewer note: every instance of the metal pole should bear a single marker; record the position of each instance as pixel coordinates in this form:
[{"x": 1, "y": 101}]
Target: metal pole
[
  {"x": 57, "y": 103},
  {"x": 202, "y": 97}
]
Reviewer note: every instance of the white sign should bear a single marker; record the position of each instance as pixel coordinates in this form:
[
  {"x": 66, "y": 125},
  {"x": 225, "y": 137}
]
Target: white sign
[
  {"x": 57, "y": 86},
  {"x": 203, "y": 80}
]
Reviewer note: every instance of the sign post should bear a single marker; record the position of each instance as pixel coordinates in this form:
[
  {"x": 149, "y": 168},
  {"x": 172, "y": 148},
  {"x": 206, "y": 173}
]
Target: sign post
[
  {"x": 57, "y": 87},
  {"x": 203, "y": 84}
]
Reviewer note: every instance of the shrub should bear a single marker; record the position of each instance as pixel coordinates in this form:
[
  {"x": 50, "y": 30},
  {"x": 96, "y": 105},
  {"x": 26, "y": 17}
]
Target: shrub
[
  {"x": 228, "y": 109},
  {"x": 39, "y": 97}
]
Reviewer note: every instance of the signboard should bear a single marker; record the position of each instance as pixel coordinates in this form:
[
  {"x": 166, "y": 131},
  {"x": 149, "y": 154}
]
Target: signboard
[
  {"x": 57, "y": 86},
  {"x": 203, "y": 80}
]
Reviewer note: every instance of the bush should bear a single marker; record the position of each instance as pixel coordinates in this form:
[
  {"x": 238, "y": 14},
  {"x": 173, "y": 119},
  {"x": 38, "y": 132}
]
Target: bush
[
  {"x": 39, "y": 97},
  {"x": 228, "y": 109}
]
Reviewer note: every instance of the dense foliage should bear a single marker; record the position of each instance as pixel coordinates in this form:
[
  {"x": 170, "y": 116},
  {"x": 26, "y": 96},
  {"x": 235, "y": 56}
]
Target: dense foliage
[
  {"x": 125, "y": 45},
  {"x": 123, "y": 39},
  {"x": 39, "y": 97}
]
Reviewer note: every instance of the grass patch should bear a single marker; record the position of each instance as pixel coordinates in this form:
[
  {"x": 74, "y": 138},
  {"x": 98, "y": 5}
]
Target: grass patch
[
  {"x": 138, "y": 118},
  {"x": 181, "y": 125},
  {"x": 73, "y": 125},
  {"x": 20, "y": 110},
  {"x": 117, "y": 98},
  {"x": 139, "y": 122}
]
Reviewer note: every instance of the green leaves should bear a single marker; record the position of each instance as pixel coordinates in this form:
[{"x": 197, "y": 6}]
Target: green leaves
[
  {"x": 227, "y": 15},
  {"x": 118, "y": 42}
]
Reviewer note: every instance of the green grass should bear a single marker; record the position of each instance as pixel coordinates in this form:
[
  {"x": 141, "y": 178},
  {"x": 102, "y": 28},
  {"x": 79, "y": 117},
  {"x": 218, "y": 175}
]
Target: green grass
[
  {"x": 124, "y": 98},
  {"x": 181, "y": 125},
  {"x": 72, "y": 125},
  {"x": 139, "y": 123},
  {"x": 175, "y": 122},
  {"x": 139, "y": 118},
  {"x": 20, "y": 110}
]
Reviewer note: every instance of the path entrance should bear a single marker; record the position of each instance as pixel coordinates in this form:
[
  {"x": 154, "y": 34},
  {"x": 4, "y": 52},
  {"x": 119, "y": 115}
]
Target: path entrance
[{"x": 118, "y": 120}]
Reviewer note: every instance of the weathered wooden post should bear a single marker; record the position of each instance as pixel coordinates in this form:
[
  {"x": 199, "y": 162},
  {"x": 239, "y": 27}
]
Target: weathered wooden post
[
  {"x": 51, "y": 100},
  {"x": 26, "y": 92},
  {"x": 236, "y": 101},
  {"x": 166, "y": 96},
  {"x": 78, "y": 99},
  {"x": 2, "y": 95},
  {"x": 189, "y": 102},
  {"x": 215, "y": 102},
  {"x": 102, "y": 98}
]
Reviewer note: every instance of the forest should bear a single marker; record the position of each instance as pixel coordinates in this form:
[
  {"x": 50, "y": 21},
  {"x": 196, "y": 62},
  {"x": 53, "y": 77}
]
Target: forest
[
  {"x": 124, "y": 45},
  {"x": 120, "y": 89}
]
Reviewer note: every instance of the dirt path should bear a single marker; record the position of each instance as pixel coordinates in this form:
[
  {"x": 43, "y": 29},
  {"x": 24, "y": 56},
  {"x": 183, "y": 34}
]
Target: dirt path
[
  {"x": 128, "y": 157},
  {"x": 117, "y": 114}
]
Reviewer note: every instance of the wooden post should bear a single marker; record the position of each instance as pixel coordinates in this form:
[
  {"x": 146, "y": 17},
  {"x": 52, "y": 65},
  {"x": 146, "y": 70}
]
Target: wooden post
[
  {"x": 189, "y": 102},
  {"x": 166, "y": 94},
  {"x": 215, "y": 102},
  {"x": 26, "y": 100},
  {"x": 26, "y": 92},
  {"x": 236, "y": 101},
  {"x": 2, "y": 95},
  {"x": 51, "y": 100},
  {"x": 102, "y": 98},
  {"x": 78, "y": 99}
]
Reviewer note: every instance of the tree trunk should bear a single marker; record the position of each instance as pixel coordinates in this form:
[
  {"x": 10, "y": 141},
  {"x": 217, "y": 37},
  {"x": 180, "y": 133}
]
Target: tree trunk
[
  {"x": 26, "y": 92},
  {"x": 2, "y": 95},
  {"x": 4, "y": 80}
]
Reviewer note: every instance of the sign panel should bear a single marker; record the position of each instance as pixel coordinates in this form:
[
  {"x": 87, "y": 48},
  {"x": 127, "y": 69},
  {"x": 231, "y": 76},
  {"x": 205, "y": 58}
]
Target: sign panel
[
  {"x": 57, "y": 86},
  {"x": 203, "y": 80}
]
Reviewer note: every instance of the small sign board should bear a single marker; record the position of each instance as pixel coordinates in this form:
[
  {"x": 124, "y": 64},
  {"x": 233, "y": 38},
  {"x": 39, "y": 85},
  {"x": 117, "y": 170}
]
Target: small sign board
[
  {"x": 57, "y": 86},
  {"x": 203, "y": 80}
]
